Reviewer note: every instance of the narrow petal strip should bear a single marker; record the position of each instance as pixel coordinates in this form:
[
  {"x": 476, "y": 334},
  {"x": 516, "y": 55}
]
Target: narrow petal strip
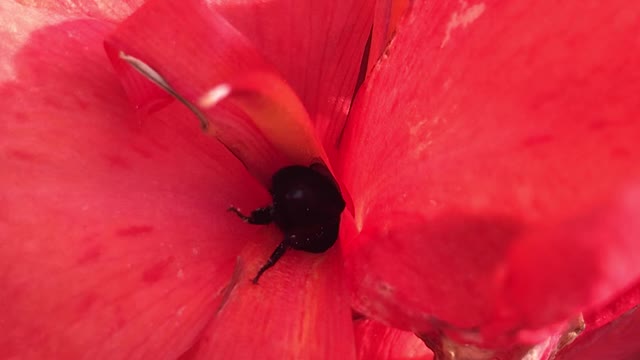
[{"x": 387, "y": 15}]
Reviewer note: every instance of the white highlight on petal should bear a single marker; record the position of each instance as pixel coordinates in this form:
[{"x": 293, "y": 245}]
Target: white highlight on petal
[
  {"x": 146, "y": 70},
  {"x": 151, "y": 74},
  {"x": 215, "y": 95},
  {"x": 463, "y": 18}
]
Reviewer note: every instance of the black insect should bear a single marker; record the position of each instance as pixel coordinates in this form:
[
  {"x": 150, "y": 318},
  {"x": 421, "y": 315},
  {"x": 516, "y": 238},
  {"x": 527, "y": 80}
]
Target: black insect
[{"x": 306, "y": 207}]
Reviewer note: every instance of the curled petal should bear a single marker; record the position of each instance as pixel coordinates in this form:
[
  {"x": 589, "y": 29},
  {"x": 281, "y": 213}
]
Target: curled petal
[
  {"x": 146, "y": 96},
  {"x": 191, "y": 51},
  {"x": 275, "y": 112},
  {"x": 377, "y": 341},
  {"x": 317, "y": 47},
  {"x": 503, "y": 147}
]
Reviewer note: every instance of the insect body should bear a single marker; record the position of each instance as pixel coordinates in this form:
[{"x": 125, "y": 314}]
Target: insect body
[{"x": 306, "y": 207}]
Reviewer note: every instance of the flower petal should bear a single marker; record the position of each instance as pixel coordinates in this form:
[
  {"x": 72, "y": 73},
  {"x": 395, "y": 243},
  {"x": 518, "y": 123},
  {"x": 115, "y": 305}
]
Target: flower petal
[
  {"x": 510, "y": 126},
  {"x": 115, "y": 239},
  {"x": 611, "y": 332},
  {"x": 377, "y": 341},
  {"x": 193, "y": 51},
  {"x": 101, "y": 9},
  {"x": 264, "y": 97},
  {"x": 616, "y": 340},
  {"x": 299, "y": 310},
  {"x": 317, "y": 46},
  {"x": 387, "y": 15},
  {"x": 602, "y": 247}
]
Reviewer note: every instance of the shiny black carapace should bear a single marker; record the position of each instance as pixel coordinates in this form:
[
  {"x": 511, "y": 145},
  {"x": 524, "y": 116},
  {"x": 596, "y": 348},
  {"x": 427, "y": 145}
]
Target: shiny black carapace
[{"x": 306, "y": 207}]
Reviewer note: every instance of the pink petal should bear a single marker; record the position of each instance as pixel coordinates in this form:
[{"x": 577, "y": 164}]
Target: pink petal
[
  {"x": 197, "y": 53},
  {"x": 317, "y": 46},
  {"x": 115, "y": 239},
  {"x": 504, "y": 146},
  {"x": 377, "y": 341},
  {"x": 299, "y": 310},
  {"x": 101, "y": 9}
]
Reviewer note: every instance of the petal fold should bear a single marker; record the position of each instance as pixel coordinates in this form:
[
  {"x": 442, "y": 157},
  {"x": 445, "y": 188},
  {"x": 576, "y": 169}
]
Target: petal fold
[
  {"x": 609, "y": 331},
  {"x": 387, "y": 15},
  {"x": 377, "y": 341},
  {"x": 616, "y": 340},
  {"x": 194, "y": 50},
  {"x": 317, "y": 47},
  {"x": 265, "y": 97}
]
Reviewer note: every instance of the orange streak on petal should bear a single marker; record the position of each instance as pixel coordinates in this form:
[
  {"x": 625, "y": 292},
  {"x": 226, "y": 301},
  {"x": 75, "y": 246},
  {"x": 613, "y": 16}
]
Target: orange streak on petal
[
  {"x": 276, "y": 111},
  {"x": 299, "y": 309}
]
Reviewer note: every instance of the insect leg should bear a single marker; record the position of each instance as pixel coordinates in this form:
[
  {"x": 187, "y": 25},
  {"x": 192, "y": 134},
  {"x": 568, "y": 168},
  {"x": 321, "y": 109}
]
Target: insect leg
[
  {"x": 260, "y": 216},
  {"x": 275, "y": 256}
]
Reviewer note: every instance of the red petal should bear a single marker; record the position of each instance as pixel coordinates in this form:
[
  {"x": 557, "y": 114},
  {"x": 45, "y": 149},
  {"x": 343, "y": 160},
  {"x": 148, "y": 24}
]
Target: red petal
[
  {"x": 510, "y": 125},
  {"x": 317, "y": 46},
  {"x": 115, "y": 239},
  {"x": 601, "y": 316},
  {"x": 299, "y": 310},
  {"x": 377, "y": 341},
  {"x": 611, "y": 332},
  {"x": 617, "y": 340},
  {"x": 196, "y": 52},
  {"x": 387, "y": 15},
  {"x": 545, "y": 271},
  {"x": 265, "y": 97}
]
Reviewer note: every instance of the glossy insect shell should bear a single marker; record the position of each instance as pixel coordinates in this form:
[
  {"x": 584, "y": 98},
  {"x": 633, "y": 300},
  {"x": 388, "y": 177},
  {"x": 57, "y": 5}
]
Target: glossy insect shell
[{"x": 306, "y": 207}]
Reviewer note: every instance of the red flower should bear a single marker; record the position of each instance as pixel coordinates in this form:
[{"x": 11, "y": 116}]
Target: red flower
[{"x": 490, "y": 166}]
